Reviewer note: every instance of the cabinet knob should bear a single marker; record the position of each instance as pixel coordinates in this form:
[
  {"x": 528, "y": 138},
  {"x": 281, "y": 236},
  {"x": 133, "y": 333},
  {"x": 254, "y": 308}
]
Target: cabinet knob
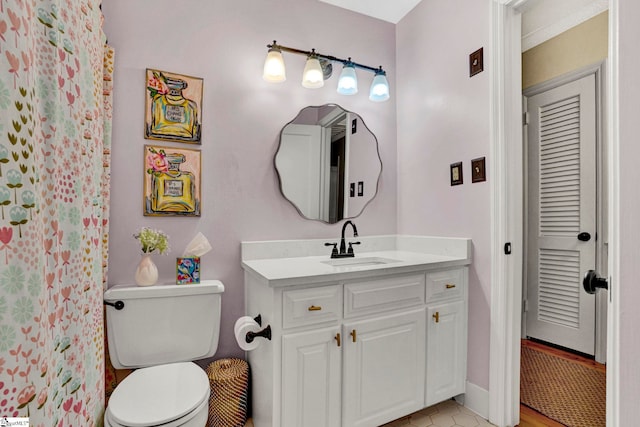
[
  {"x": 337, "y": 338},
  {"x": 314, "y": 308},
  {"x": 436, "y": 316},
  {"x": 353, "y": 335},
  {"x": 450, "y": 286}
]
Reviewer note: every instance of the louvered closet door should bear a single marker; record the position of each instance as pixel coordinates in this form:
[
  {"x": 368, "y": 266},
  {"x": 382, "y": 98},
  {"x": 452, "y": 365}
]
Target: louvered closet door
[{"x": 562, "y": 204}]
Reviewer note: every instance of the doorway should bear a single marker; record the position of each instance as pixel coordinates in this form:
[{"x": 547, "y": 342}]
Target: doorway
[
  {"x": 563, "y": 155},
  {"x": 565, "y": 178},
  {"x": 507, "y": 211}
]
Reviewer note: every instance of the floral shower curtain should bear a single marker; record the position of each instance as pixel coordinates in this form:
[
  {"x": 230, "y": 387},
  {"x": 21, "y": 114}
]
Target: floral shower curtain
[{"x": 55, "y": 121}]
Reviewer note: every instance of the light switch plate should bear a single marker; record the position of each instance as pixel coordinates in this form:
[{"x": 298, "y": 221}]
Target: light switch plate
[
  {"x": 476, "y": 62},
  {"x": 478, "y": 171}
]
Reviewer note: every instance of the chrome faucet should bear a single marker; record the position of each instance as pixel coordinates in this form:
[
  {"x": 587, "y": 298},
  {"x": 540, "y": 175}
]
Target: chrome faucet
[{"x": 344, "y": 252}]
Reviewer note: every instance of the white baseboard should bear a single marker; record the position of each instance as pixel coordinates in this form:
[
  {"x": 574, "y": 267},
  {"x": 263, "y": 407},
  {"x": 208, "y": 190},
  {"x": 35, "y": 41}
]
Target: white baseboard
[{"x": 477, "y": 399}]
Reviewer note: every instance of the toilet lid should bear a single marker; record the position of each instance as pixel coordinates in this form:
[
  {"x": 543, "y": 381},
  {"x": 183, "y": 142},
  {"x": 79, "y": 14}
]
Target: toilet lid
[{"x": 158, "y": 394}]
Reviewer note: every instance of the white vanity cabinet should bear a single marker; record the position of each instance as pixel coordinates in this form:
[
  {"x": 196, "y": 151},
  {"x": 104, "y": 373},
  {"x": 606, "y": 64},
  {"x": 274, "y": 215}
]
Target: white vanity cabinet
[
  {"x": 384, "y": 349},
  {"x": 383, "y": 368},
  {"x": 359, "y": 351},
  {"x": 311, "y": 355},
  {"x": 446, "y": 335},
  {"x": 311, "y": 378}
]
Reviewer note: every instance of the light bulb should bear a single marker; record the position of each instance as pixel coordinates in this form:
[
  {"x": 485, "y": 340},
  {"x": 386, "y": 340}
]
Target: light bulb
[
  {"x": 312, "y": 76},
  {"x": 379, "y": 87},
  {"x": 348, "y": 82},
  {"x": 274, "y": 70}
]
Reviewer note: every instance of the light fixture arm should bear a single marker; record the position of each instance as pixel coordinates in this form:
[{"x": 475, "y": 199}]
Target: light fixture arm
[{"x": 307, "y": 53}]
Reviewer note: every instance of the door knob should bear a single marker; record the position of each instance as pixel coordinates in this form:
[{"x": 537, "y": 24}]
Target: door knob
[
  {"x": 584, "y": 236},
  {"x": 592, "y": 281}
]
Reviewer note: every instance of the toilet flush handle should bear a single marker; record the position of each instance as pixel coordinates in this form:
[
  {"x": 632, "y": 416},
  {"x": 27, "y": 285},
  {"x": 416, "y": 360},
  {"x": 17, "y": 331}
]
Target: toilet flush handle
[{"x": 119, "y": 305}]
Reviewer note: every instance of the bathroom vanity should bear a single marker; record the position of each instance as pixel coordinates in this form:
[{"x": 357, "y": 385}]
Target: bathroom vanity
[{"x": 357, "y": 341}]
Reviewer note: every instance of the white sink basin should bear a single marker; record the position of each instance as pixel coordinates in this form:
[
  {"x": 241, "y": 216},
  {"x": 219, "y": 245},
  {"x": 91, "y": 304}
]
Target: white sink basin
[{"x": 359, "y": 262}]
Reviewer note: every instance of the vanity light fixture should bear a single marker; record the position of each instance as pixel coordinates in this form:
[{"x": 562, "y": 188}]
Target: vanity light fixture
[
  {"x": 379, "y": 87},
  {"x": 312, "y": 76},
  {"x": 348, "y": 82},
  {"x": 274, "y": 71},
  {"x": 318, "y": 68}
]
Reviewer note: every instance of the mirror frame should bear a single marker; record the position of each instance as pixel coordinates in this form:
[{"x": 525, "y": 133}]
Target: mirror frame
[{"x": 375, "y": 138}]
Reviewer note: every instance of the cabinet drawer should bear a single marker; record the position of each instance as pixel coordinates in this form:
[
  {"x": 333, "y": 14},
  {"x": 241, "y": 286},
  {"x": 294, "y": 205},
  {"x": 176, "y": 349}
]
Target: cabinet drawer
[
  {"x": 310, "y": 306},
  {"x": 375, "y": 295},
  {"x": 445, "y": 284}
]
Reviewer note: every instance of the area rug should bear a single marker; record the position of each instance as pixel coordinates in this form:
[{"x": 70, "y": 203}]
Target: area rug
[{"x": 570, "y": 393}]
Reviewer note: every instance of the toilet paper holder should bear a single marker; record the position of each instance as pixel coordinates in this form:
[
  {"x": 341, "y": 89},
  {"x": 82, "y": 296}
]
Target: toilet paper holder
[{"x": 264, "y": 333}]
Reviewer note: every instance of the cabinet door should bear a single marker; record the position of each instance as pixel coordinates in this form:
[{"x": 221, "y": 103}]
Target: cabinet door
[
  {"x": 446, "y": 351},
  {"x": 384, "y": 367},
  {"x": 311, "y": 378}
]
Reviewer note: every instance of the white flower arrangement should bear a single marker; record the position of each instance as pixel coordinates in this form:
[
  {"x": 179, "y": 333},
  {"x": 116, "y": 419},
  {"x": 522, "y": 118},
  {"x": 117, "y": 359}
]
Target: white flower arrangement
[{"x": 152, "y": 240}]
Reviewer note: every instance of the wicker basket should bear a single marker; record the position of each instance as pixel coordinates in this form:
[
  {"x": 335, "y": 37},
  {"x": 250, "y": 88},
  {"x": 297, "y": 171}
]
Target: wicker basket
[{"x": 229, "y": 381}]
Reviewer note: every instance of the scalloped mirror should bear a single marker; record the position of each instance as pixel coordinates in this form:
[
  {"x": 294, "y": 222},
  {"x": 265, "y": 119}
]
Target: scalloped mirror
[{"x": 328, "y": 163}]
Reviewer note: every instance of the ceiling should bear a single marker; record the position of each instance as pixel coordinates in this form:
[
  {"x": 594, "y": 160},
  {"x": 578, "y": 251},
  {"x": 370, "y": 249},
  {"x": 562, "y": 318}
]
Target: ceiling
[
  {"x": 541, "y": 19},
  {"x": 387, "y": 10}
]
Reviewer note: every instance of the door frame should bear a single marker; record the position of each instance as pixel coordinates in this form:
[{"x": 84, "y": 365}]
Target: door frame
[{"x": 507, "y": 213}]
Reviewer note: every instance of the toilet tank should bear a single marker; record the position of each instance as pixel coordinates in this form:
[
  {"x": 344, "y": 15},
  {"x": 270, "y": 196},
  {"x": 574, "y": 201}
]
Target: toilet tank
[{"x": 163, "y": 323}]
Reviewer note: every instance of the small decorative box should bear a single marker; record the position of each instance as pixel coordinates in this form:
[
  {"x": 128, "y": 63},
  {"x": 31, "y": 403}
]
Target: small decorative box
[{"x": 187, "y": 270}]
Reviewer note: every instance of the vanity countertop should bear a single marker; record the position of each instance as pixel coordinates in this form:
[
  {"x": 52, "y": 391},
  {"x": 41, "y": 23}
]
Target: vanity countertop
[{"x": 292, "y": 270}]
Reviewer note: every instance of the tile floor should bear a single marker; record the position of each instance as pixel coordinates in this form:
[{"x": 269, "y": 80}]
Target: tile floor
[{"x": 445, "y": 414}]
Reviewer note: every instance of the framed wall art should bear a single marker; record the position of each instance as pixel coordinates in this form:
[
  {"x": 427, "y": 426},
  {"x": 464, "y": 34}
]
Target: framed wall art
[
  {"x": 456, "y": 173},
  {"x": 173, "y": 107},
  {"x": 171, "y": 181}
]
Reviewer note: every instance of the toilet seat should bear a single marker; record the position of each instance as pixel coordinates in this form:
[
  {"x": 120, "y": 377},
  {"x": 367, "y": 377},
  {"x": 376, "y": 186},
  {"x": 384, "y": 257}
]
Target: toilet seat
[{"x": 167, "y": 395}]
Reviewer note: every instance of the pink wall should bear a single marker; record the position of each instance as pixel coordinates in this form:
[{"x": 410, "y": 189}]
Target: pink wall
[
  {"x": 627, "y": 286},
  {"x": 443, "y": 118},
  {"x": 224, "y": 42}
]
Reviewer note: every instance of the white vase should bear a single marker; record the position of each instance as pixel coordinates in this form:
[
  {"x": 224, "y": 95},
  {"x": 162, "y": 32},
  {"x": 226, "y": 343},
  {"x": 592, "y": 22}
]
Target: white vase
[{"x": 146, "y": 272}]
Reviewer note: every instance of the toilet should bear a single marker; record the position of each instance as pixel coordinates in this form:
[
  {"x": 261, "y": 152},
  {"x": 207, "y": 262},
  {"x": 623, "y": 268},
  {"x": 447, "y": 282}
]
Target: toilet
[{"x": 159, "y": 331}]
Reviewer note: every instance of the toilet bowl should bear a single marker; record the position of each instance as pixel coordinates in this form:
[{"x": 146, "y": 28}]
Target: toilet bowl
[
  {"x": 169, "y": 395},
  {"x": 158, "y": 331}
]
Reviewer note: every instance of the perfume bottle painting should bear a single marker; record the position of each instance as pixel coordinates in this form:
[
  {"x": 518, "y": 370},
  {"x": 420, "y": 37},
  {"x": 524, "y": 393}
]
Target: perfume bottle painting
[
  {"x": 173, "y": 111},
  {"x": 172, "y": 182}
]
